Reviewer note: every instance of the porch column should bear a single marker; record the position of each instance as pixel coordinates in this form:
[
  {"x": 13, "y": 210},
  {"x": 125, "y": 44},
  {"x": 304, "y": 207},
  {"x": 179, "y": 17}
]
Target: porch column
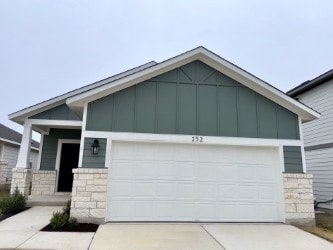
[
  {"x": 22, "y": 175},
  {"x": 23, "y": 158}
]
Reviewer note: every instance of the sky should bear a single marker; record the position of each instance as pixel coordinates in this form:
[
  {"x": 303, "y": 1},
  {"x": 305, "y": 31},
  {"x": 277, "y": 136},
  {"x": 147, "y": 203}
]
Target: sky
[{"x": 48, "y": 48}]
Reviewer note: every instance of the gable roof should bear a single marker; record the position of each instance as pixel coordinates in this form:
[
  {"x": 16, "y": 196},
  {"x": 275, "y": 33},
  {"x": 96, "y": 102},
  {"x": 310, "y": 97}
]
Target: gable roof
[
  {"x": 20, "y": 115},
  {"x": 310, "y": 84},
  {"x": 11, "y": 136},
  {"x": 76, "y": 99}
]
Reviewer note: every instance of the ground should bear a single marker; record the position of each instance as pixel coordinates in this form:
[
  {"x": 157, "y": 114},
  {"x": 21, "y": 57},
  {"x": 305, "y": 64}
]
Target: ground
[{"x": 324, "y": 225}]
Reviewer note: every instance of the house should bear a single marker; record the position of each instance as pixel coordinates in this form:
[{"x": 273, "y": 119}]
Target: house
[
  {"x": 318, "y": 134},
  {"x": 9, "y": 147},
  {"x": 193, "y": 138}
]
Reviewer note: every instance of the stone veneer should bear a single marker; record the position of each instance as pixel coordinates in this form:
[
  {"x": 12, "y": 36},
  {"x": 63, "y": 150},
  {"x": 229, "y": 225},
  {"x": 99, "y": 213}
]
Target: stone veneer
[
  {"x": 3, "y": 174},
  {"x": 299, "y": 201},
  {"x": 21, "y": 180},
  {"x": 43, "y": 182},
  {"x": 89, "y": 195}
]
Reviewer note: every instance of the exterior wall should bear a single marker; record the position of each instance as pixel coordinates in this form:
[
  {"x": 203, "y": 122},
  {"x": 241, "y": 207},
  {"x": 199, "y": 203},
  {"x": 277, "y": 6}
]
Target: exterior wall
[
  {"x": 43, "y": 182},
  {"x": 3, "y": 175},
  {"x": 320, "y": 164},
  {"x": 177, "y": 103},
  {"x": 61, "y": 112},
  {"x": 292, "y": 159},
  {"x": 298, "y": 193},
  {"x": 320, "y": 99},
  {"x": 89, "y": 195},
  {"x": 50, "y": 146},
  {"x": 94, "y": 161},
  {"x": 10, "y": 154},
  {"x": 21, "y": 180},
  {"x": 318, "y": 141}
]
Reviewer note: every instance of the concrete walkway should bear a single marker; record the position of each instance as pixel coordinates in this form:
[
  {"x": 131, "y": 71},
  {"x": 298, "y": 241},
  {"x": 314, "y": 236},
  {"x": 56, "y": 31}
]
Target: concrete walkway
[
  {"x": 22, "y": 232},
  {"x": 209, "y": 236}
]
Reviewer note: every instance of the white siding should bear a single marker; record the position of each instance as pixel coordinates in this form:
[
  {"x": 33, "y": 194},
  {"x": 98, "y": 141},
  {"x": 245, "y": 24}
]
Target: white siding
[
  {"x": 320, "y": 99},
  {"x": 320, "y": 162},
  {"x": 10, "y": 154}
]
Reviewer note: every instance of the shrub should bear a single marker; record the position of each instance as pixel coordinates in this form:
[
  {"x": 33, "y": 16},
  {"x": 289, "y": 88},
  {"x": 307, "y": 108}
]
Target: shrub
[
  {"x": 72, "y": 222},
  {"x": 59, "y": 220},
  {"x": 67, "y": 208},
  {"x": 14, "y": 203}
]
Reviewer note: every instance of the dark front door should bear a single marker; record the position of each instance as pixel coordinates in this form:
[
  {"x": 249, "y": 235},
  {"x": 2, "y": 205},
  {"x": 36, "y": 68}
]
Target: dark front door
[{"x": 69, "y": 159}]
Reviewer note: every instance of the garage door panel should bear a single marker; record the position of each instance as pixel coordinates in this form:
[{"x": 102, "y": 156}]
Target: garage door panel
[
  {"x": 207, "y": 190},
  {"x": 266, "y": 193},
  {"x": 121, "y": 189},
  {"x": 123, "y": 170},
  {"x": 179, "y": 182},
  {"x": 184, "y": 191},
  {"x": 206, "y": 211},
  {"x": 228, "y": 191}
]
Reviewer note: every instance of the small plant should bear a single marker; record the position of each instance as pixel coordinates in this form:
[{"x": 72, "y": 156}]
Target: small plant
[
  {"x": 58, "y": 220},
  {"x": 72, "y": 222},
  {"x": 13, "y": 203},
  {"x": 61, "y": 219},
  {"x": 67, "y": 208}
]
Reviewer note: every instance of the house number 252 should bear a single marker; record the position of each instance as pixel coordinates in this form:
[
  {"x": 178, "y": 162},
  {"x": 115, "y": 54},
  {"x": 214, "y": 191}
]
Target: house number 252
[{"x": 197, "y": 139}]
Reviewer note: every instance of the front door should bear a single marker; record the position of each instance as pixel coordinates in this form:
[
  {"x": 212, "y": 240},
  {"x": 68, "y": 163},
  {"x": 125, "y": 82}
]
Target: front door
[{"x": 69, "y": 159}]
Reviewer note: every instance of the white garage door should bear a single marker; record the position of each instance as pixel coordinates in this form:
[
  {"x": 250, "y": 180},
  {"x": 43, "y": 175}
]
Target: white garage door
[{"x": 181, "y": 182}]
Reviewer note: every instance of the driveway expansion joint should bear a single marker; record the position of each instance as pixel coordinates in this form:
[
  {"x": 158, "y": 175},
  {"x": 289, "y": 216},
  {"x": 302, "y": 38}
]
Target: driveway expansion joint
[{"x": 203, "y": 227}]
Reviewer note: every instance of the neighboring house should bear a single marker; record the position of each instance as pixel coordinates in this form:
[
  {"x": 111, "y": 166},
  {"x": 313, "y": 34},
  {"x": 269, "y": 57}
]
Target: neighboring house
[
  {"x": 10, "y": 141},
  {"x": 193, "y": 138},
  {"x": 318, "y": 134}
]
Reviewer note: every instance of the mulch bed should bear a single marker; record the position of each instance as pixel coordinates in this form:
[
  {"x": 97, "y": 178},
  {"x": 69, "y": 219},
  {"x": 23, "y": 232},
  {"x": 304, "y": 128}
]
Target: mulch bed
[
  {"x": 81, "y": 227},
  {"x": 6, "y": 216}
]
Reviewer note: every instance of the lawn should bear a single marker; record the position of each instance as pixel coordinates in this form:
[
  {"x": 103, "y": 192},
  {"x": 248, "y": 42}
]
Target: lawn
[{"x": 324, "y": 226}]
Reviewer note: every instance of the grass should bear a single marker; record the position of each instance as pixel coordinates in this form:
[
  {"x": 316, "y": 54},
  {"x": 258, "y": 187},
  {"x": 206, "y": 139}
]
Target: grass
[{"x": 324, "y": 226}]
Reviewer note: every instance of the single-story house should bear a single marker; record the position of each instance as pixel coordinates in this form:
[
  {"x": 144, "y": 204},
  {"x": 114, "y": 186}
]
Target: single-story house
[
  {"x": 318, "y": 135},
  {"x": 10, "y": 141},
  {"x": 192, "y": 138}
]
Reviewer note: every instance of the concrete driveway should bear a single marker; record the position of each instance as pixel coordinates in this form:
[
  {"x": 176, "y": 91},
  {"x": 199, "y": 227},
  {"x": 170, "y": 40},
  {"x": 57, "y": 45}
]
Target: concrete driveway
[{"x": 205, "y": 236}]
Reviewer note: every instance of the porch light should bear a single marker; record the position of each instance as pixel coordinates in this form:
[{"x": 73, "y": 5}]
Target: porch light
[{"x": 94, "y": 147}]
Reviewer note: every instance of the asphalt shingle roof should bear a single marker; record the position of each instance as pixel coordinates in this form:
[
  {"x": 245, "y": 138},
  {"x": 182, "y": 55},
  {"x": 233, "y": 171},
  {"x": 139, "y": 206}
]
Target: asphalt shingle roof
[{"x": 12, "y": 135}]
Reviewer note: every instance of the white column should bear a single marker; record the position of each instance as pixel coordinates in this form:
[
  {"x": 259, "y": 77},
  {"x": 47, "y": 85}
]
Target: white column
[{"x": 24, "y": 153}]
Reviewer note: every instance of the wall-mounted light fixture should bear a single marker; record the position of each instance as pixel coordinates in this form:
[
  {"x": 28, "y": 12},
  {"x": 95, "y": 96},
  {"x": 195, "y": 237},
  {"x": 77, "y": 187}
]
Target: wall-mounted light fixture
[{"x": 95, "y": 147}]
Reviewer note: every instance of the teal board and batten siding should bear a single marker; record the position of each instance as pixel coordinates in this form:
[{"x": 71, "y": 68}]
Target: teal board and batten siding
[
  {"x": 61, "y": 112},
  {"x": 292, "y": 159},
  {"x": 195, "y": 100},
  {"x": 50, "y": 145},
  {"x": 94, "y": 161}
]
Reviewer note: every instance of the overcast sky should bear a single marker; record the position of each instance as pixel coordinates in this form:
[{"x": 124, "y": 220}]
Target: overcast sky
[{"x": 50, "y": 47}]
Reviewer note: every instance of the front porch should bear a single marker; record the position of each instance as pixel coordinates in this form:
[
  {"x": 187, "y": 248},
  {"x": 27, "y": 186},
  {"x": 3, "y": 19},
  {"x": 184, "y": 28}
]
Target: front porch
[{"x": 58, "y": 199}]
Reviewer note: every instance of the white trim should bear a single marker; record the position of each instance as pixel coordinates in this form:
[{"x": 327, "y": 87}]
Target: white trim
[
  {"x": 120, "y": 136},
  {"x": 58, "y": 157},
  {"x": 84, "y": 121},
  {"x": 23, "y": 158},
  {"x": 16, "y": 143},
  {"x": 281, "y": 155},
  {"x": 300, "y": 126},
  {"x": 76, "y": 102},
  {"x": 108, "y": 155},
  {"x": 54, "y": 123},
  {"x": 39, "y": 160}
]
